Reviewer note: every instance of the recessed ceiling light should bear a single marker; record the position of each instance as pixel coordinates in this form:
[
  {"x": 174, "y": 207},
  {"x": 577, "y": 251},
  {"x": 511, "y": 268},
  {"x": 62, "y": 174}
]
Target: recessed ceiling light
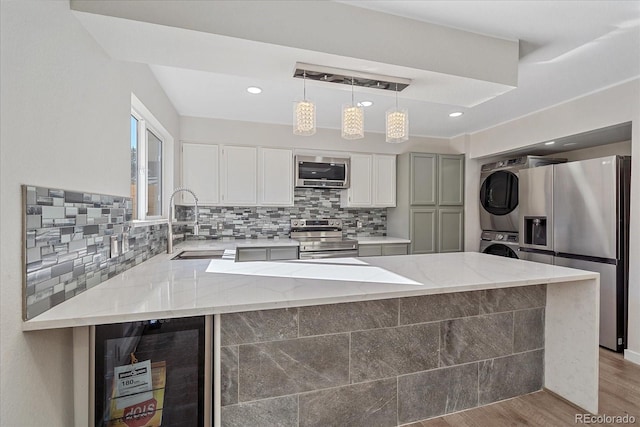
[
  {"x": 456, "y": 114},
  {"x": 549, "y": 143},
  {"x": 365, "y": 103},
  {"x": 254, "y": 89}
]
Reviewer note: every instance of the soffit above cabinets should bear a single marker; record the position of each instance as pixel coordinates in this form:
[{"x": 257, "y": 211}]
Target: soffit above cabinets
[
  {"x": 204, "y": 55},
  {"x": 594, "y": 138}
]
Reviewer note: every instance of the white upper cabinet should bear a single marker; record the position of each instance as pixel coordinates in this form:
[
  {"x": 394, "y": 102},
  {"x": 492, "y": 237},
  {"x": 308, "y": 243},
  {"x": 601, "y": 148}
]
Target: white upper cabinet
[
  {"x": 372, "y": 182},
  {"x": 200, "y": 172},
  {"x": 359, "y": 193},
  {"x": 275, "y": 177},
  {"x": 239, "y": 176},
  {"x": 229, "y": 175},
  {"x": 384, "y": 180}
]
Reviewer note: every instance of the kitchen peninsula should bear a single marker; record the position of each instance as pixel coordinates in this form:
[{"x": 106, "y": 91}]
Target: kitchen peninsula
[{"x": 375, "y": 341}]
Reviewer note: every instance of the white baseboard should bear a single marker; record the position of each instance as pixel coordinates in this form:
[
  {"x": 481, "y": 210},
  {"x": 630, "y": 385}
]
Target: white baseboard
[{"x": 632, "y": 356}]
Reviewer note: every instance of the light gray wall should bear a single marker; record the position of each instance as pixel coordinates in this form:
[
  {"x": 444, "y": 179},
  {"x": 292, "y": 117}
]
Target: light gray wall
[
  {"x": 233, "y": 132},
  {"x": 64, "y": 124},
  {"x": 611, "y": 106}
]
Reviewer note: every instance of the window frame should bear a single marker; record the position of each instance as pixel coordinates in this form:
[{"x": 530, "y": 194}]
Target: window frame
[{"x": 148, "y": 122}]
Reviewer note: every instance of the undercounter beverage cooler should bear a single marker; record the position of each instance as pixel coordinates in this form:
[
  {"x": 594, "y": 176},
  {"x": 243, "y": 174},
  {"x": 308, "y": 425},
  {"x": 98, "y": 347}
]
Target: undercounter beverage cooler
[{"x": 150, "y": 373}]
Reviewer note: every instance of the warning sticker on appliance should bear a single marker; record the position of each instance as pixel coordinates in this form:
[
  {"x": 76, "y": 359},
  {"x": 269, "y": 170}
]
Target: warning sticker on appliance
[{"x": 133, "y": 384}]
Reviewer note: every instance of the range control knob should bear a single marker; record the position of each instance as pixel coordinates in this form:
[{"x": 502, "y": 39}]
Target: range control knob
[{"x": 294, "y": 223}]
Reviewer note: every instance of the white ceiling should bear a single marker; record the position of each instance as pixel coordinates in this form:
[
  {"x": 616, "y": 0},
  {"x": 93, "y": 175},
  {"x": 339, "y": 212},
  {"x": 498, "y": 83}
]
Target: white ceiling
[{"x": 567, "y": 49}]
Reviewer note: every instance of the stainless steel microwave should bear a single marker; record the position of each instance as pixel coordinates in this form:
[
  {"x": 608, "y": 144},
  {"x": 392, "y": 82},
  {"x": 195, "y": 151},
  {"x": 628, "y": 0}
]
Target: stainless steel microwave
[{"x": 322, "y": 172}]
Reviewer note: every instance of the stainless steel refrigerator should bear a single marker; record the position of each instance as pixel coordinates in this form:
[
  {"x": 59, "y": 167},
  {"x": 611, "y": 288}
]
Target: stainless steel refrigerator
[{"x": 577, "y": 215}]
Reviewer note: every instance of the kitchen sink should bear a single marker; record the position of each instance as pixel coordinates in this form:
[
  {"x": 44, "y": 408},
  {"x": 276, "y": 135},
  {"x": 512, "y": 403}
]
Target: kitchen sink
[{"x": 200, "y": 254}]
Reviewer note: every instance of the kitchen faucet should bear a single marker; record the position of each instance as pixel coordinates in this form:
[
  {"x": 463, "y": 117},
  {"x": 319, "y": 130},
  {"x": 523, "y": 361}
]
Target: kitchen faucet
[{"x": 195, "y": 221}]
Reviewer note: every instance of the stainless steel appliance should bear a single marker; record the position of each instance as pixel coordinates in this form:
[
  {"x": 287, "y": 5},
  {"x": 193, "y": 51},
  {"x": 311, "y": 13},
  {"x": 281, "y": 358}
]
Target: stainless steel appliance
[
  {"x": 322, "y": 172},
  {"x": 322, "y": 238},
  {"x": 499, "y": 191},
  {"x": 586, "y": 227},
  {"x": 536, "y": 214},
  {"x": 499, "y": 243}
]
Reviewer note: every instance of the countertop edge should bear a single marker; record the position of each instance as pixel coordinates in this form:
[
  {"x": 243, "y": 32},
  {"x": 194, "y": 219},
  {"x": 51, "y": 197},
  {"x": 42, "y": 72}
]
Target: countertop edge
[{"x": 35, "y": 324}]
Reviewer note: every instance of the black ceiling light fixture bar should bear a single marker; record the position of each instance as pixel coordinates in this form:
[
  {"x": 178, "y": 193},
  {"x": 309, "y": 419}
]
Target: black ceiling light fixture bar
[{"x": 349, "y": 77}]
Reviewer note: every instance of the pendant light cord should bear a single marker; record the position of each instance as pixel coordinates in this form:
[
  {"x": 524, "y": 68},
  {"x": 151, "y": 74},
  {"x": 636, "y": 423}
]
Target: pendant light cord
[
  {"x": 304, "y": 85},
  {"x": 352, "y": 102},
  {"x": 396, "y": 96}
]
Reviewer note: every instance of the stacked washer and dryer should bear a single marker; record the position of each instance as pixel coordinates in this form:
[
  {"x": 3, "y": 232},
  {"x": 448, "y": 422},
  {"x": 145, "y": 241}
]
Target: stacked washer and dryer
[{"x": 499, "y": 190}]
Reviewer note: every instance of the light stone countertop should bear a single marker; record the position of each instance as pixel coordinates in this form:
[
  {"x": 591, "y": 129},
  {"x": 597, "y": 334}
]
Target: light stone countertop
[
  {"x": 380, "y": 240},
  {"x": 165, "y": 288}
]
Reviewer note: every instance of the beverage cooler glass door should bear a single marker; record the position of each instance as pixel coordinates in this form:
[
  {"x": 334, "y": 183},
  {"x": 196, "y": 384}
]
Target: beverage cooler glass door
[{"x": 150, "y": 373}]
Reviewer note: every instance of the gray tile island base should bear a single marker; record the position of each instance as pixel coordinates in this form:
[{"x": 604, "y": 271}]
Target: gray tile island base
[
  {"x": 381, "y": 363},
  {"x": 375, "y": 341}
]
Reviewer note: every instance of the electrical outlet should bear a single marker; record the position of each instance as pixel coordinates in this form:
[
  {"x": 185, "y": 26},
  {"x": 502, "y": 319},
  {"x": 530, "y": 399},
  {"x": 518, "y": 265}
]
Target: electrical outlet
[
  {"x": 115, "y": 250},
  {"x": 125, "y": 243},
  {"x": 358, "y": 224},
  {"x": 220, "y": 226}
]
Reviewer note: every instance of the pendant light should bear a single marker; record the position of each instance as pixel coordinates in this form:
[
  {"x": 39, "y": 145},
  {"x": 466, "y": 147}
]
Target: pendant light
[
  {"x": 352, "y": 119},
  {"x": 304, "y": 113},
  {"x": 397, "y": 123}
]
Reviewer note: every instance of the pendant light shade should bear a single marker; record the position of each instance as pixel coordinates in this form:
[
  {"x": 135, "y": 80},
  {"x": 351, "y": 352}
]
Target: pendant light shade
[
  {"x": 352, "y": 119},
  {"x": 304, "y": 114},
  {"x": 397, "y": 124}
]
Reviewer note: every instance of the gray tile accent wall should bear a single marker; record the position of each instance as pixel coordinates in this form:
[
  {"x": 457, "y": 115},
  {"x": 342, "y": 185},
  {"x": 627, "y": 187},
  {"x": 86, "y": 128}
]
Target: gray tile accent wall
[
  {"x": 292, "y": 366},
  {"x": 385, "y": 362},
  {"x": 269, "y": 222},
  {"x": 361, "y": 405},
  {"x": 278, "y": 412},
  {"x": 67, "y": 243}
]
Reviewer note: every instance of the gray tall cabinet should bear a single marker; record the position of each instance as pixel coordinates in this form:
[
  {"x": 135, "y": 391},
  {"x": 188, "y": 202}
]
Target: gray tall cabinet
[{"x": 429, "y": 202}]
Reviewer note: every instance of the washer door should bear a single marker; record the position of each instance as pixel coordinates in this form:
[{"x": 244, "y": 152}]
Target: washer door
[
  {"x": 499, "y": 201},
  {"x": 500, "y": 250}
]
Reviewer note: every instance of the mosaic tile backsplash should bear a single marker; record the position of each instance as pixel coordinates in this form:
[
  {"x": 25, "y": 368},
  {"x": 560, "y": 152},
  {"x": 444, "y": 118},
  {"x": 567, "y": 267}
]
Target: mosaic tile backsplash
[
  {"x": 270, "y": 222},
  {"x": 68, "y": 243}
]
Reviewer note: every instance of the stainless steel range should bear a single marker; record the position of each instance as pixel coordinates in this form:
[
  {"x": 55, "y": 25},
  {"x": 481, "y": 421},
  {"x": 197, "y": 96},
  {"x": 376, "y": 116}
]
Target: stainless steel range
[{"x": 322, "y": 238}]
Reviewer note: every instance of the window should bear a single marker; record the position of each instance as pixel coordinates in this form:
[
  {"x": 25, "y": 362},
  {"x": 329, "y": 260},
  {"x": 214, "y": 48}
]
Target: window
[
  {"x": 146, "y": 169},
  {"x": 154, "y": 174},
  {"x": 151, "y": 163},
  {"x": 134, "y": 165}
]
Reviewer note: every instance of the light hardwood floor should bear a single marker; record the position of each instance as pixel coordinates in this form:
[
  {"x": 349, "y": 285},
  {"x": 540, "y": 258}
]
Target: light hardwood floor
[{"x": 619, "y": 395}]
